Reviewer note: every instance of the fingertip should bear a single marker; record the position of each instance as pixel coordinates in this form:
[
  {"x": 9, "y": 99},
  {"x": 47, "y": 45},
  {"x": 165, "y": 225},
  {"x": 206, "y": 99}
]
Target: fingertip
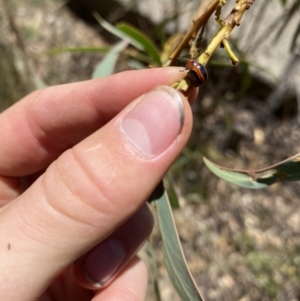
[
  {"x": 130, "y": 285},
  {"x": 101, "y": 265},
  {"x": 193, "y": 95}
]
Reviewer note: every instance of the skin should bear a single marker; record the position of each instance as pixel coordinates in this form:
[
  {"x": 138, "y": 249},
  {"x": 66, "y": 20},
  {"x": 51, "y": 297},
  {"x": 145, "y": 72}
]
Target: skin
[{"x": 70, "y": 181}]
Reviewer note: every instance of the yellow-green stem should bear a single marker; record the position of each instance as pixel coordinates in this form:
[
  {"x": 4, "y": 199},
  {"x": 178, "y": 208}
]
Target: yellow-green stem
[
  {"x": 234, "y": 59},
  {"x": 229, "y": 23}
]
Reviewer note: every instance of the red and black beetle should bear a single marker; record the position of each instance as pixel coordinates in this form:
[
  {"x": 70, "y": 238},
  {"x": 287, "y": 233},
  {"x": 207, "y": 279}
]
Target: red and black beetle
[{"x": 197, "y": 72}]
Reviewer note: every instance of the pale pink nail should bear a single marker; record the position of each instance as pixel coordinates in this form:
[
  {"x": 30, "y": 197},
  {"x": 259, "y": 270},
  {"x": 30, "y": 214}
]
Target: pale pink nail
[{"x": 155, "y": 122}]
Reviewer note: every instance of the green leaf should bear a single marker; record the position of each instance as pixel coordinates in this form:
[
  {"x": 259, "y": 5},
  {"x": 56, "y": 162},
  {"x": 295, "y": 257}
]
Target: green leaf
[
  {"x": 287, "y": 170},
  {"x": 135, "y": 37},
  {"x": 106, "y": 66},
  {"x": 173, "y": 255},
  {"x": 117, "y": 32},
  {"x": 134, "y": 64},
  {"x": 39, "y": 83},
  {"x": 283, "y": 2},
  {"x": 138, "y": 36},
  {"x": 81, "y": 49},
  {"x": 173, "y": 197},
  {"x": 235, "y": 177}
]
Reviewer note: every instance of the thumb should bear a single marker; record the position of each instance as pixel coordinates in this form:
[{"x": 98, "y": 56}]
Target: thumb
[{"x": 89, "y": 191}]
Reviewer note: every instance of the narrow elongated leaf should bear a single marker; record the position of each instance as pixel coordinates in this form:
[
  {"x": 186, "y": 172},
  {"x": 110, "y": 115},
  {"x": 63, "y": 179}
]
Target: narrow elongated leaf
[
  {"x": 173, "y": 255},
  {"x": 134, "y": 64},
  {"x": 238, "y": 178},
  {"x": 173, "y": 198},
  {"x": 137, "y": 35},
  {"x": 106, "y": 66},
  {"x": 39, "y": 83},
  {"x": 287, "y": 170},
  {"x": 117, "y": 32},
  {"x": 79, "y": 49}
]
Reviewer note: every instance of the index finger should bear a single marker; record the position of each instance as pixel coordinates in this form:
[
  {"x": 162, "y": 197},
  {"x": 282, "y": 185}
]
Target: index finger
[{"x": 44, "y": 124}]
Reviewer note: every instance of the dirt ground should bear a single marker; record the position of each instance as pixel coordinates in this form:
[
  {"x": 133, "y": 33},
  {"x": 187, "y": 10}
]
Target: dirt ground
[{"x": 241, "y": 244}]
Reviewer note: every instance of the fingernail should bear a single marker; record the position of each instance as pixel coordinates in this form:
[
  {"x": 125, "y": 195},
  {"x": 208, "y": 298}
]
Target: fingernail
[
  {"x": 155, "y": 121},
  {"x": 103, "y": 261}
]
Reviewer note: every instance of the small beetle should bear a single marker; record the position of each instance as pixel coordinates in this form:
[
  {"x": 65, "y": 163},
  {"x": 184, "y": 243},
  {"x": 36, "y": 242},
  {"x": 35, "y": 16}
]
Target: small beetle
[{"x": 197, "y": 72}]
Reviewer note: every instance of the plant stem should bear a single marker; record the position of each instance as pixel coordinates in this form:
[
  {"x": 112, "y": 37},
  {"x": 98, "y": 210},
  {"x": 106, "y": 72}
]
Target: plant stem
[
  {"x": 195, "y": 28},
  {"x": 229, "y": 23}
]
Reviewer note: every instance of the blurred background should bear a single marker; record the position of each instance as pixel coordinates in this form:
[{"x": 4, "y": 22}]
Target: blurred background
[{"x": 240, "y": 244}]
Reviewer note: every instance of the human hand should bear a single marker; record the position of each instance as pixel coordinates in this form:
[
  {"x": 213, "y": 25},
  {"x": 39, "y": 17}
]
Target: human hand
[{"x": 77, "y": 164}]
